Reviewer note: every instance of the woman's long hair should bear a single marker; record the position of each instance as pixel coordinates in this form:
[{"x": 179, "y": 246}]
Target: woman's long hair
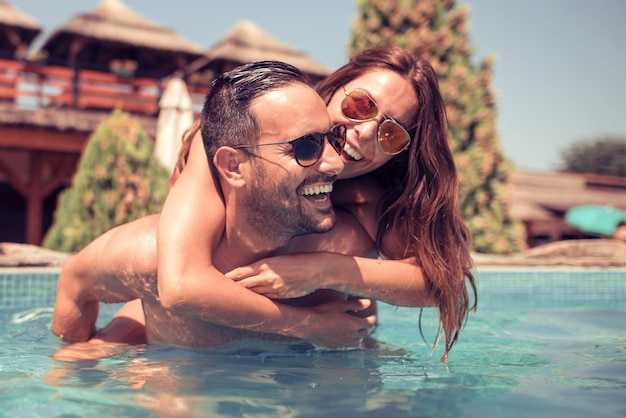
[{"x": 423, "y": 188}]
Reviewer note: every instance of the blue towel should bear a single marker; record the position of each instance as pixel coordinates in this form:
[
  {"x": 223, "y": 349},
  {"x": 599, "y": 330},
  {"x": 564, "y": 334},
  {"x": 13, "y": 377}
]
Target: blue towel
[{"x": 596, "y": 219}]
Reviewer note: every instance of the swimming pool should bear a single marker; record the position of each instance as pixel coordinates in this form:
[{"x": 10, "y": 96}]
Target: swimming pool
[{"x": 544, "y": 343}]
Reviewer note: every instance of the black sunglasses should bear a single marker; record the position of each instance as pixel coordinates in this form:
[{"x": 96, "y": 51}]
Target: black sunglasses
[{"x": 308, "y": 149}]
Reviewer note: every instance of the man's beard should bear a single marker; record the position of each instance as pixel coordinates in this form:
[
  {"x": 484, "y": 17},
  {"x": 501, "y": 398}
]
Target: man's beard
[{"x": 275, "y": 211}]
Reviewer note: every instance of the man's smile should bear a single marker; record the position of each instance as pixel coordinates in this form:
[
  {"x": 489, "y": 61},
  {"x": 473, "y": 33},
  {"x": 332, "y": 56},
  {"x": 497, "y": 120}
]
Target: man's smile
[
  {"x": 318, "y": 193},
  {"x": 317, "y": 189}
]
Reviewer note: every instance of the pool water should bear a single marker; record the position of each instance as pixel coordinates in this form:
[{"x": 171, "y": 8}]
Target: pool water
[{"x": 544, "y": 343}]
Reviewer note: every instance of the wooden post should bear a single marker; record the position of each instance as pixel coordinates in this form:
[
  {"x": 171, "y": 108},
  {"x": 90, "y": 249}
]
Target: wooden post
[
  {"x": 34, "y": 199},
  {"x": 60, "y": 169}
]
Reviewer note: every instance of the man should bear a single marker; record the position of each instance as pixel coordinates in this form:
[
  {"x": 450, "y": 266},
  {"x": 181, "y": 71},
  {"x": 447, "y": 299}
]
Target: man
[{"x": 273, "y": 188}]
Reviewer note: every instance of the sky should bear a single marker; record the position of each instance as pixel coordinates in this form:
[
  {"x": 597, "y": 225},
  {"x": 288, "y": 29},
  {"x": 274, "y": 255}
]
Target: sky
[{"x": 560, "y": 68}]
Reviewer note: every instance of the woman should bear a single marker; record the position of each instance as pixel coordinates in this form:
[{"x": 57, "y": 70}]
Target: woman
[{"x": 399, "y": 181}]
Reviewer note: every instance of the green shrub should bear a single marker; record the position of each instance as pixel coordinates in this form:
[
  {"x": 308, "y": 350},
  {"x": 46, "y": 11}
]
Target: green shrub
[{"x": 118, "y": 180}]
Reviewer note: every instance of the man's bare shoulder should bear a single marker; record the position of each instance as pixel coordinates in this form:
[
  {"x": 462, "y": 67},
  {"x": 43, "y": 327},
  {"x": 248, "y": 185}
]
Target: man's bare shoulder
[
  {"x": 132, "y": 244},
  {"x": 139, "y": 229}
]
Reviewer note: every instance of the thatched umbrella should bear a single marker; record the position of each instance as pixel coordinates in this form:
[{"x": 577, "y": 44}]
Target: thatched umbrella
[
  {"x": 112, "y": 32},
  {"x": 246, "y": 42},
  {"x": 17, "y": 31}
]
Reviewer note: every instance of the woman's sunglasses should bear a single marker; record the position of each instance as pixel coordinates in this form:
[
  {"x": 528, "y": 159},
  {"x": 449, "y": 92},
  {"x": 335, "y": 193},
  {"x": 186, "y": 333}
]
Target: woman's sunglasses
[
  {"x": 308, "y": 149},
  {"x": 358, "y": 106}
]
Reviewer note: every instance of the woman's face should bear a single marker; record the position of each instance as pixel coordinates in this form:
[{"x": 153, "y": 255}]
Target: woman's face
[{"x": 394, "y": 96}]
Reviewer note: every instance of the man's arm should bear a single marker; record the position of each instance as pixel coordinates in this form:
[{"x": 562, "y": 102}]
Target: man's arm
[{"x": 118, "y": 266}]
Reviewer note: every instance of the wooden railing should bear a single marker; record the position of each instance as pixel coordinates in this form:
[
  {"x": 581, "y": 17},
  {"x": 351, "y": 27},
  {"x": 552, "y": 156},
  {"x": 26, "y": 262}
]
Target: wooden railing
[{"x": 35, "y": 85}]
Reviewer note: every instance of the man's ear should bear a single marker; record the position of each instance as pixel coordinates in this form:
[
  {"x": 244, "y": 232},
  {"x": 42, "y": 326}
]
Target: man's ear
[{"x": 228, "y": 163}]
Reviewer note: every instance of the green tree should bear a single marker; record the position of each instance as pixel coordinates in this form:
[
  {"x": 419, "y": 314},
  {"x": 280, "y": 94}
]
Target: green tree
[
  {"x": 118, "y": 179},
  {"x": 437, "y": 30},
  {"x": 602, "y": 155}
]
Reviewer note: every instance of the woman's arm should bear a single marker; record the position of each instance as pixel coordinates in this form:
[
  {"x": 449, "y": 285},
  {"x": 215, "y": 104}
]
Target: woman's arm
[
  {"x": 189, "y": 231},
  {"x": 397, "y": 282}
]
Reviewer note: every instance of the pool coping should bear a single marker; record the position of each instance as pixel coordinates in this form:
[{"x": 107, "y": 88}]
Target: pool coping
[{"x": 571, "y": 254}]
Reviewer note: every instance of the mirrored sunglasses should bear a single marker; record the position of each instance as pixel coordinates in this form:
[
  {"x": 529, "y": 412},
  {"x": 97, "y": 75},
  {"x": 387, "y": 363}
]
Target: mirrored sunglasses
[
  {"x": 308, "y": 149},
  {"x": 358, "y": 106}
]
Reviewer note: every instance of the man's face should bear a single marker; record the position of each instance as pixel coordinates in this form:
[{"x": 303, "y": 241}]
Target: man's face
[{"x": 285, "y": 199}]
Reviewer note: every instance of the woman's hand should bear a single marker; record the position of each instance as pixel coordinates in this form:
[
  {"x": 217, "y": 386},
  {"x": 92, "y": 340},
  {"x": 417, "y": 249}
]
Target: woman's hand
[{"x": 281, "y": 277}]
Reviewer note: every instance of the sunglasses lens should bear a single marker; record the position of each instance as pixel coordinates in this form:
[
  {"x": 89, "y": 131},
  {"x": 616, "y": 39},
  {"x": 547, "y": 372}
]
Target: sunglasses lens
[
  {"x": 337, "y": 138},
  {"x": 308, "y": 149},
  {"x": 358, "y": 106},
  {"x": 392, "y": 137}
]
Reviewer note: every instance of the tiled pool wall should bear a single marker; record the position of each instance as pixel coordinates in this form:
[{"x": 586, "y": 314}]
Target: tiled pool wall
[
  {"x": 535, "y": 288},
  {"x": 23, "y": 288},
  {"x": 27, "y": 287}
]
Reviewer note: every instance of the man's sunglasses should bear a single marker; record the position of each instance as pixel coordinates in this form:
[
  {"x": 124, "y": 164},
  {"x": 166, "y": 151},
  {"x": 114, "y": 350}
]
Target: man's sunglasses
[
  {"x": 308, "y": 149},
  {"x": 358, "y": 106}
]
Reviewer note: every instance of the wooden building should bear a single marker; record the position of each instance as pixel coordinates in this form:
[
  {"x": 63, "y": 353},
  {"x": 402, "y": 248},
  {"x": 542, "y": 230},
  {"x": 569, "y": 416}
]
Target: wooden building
[
  {"x": 541, "y": 199},
  {"x": 53, "y": 98}
]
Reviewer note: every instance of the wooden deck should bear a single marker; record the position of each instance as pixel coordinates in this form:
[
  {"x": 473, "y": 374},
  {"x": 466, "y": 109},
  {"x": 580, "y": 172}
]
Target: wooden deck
[{"x": 33, "y": 85}]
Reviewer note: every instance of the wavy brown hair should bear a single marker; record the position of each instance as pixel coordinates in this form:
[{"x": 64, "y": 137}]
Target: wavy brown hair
[
  {"x": 183, "y": 153},
  {"x": 422, "y": 189}
]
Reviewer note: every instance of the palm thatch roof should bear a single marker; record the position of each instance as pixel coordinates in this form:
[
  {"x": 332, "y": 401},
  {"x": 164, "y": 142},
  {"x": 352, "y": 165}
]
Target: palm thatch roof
[
  {"x": 245, "y": 43},
  {"x": 17, "y": 30},
  {"x": 113, "y": 31}
]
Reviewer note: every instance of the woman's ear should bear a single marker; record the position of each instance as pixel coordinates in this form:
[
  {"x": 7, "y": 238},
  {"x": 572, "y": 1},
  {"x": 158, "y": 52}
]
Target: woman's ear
[{"x": 228, "y": 163}]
